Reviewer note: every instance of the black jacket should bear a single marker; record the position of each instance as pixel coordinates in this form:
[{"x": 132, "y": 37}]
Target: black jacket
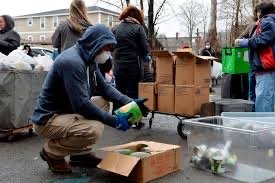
[
  {"x": 208, "y": 52},
  {"x": 132, "y": 42},
  {"x": 9, "y": 39}
]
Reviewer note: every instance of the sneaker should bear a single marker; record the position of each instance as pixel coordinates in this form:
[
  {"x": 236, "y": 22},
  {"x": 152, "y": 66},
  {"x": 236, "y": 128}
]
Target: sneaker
[
  {"x": 85, "y": 160},
  {"x": 56, "y": 165}
]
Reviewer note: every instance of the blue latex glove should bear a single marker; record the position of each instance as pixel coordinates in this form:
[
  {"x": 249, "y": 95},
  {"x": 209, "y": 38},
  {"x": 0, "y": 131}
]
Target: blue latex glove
[
  {"x": 142, "y": 107},
  {"x": 243, "y": 43},
  {"x": 122, "y": 122}
]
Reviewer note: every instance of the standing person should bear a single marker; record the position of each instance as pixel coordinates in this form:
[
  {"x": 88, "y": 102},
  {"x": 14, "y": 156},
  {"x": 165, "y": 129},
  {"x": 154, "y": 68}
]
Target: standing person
[
  {"x": 9, "y": 38},
  {"x": 68, "y": 113},
  {"x": 261, "y": 57},
  {"x": 209, "y": 51},
  {"x": 28, "y": 50},
  {"x": 68, "y": 32},
  {"x": 131, "y": 51},
  {"x": 248, "y": 33}
]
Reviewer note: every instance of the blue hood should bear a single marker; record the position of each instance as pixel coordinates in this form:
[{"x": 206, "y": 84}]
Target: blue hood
[{"x": 93, "y": 40}]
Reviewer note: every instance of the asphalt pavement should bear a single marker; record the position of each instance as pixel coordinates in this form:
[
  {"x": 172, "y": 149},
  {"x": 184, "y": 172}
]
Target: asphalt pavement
[{"x": 20, "y": 161}]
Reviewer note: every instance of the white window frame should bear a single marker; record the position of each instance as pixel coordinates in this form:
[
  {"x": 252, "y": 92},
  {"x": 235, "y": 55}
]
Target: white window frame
[
  {"x": 42, "y": 18},
  {"x": 42, "y": 36},
  {"x": 112, "y": 23},
  {"x": 30, "y": 38},
  {"x": 57, "y": 21},
  {"x": 30, "y": 19}
]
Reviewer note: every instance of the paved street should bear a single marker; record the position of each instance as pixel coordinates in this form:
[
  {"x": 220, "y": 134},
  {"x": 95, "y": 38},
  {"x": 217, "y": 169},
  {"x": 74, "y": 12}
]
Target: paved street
[{"x": 20, "y": 161}]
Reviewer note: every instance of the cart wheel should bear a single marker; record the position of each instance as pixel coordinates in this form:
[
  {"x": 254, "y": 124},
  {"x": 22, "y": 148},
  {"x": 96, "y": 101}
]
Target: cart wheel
[
  {"x": 181, "y": 130},
  {"x": 10, "y": 138},
  {"x": 30, "y": 132},
  {"x": 150, "y": 122}
]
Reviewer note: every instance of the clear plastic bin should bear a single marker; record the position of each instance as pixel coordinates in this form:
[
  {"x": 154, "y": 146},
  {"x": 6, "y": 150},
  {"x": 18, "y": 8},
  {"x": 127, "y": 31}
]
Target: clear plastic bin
[
  {"x": 246, "y": 147},
  {"x": 268, "y": 117}
]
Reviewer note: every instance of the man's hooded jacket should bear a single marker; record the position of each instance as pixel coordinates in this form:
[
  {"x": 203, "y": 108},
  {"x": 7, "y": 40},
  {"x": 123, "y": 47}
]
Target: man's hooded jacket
[{"x": 73, "y": 78}]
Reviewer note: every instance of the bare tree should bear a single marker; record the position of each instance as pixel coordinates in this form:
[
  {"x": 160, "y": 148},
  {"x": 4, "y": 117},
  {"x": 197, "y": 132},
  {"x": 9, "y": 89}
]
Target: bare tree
[
  {"x": 190, "y": 17},
  {"x": 212, "y": 31}
]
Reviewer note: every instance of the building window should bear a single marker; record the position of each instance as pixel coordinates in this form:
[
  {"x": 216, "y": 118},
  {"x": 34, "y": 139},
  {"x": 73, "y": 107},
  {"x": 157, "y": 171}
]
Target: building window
[
  {"x": 55, "y": 21},
  {"x": 30, "y": 21},
  {"x": 30, "y": 38},
  {"x": 42, "y": 37},
  {"x": 42, "y": 22},
  {"x": 110, "y": 21}
]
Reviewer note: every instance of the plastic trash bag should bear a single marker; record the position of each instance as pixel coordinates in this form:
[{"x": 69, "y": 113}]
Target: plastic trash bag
[
  {"x": 20, "y": 55},
  {"x": 20, "y": 65},
  {"x": 216, "y": 70},
  {"x": 44, "y": 61}
]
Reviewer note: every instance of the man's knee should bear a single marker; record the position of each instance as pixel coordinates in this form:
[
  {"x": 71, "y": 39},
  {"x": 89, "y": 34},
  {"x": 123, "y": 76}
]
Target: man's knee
[{"x": 95, "y": 131}]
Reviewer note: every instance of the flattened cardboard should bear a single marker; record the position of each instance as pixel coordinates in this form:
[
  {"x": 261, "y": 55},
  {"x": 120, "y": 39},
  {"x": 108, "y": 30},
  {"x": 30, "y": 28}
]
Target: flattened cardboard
[
  {"x": 148, "y": 90},
  {"x": 165, "y": 159},
  {"x": 166, "y": 98},
  {"x": 164, "y": 67},
  {"x": 191, "y": 69}
]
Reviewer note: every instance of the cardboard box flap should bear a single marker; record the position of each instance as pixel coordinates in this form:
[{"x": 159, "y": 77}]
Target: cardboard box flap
[
  {"x": 118, "y": 163},
  {"x": 161, "y": 53},
  {"x": 207, "y": 58},
  {"x": 152, "y": 146},
  {"x": 184, "y": 53}
]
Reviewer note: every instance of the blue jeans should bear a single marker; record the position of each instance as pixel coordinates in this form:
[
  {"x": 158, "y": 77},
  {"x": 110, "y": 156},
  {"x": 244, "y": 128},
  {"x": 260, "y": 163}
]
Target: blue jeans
[
  {"x": 265, "y": 92},
  {"x": 252, "y": 86}
]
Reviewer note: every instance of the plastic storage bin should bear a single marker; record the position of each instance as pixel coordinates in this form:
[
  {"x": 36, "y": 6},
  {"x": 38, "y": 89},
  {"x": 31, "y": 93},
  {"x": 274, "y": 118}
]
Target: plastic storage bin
[
  {"x": 233, "y": 105},
  {"x": 246, "y": 148},
  {"x": 235, "y": 60},
  {"x": 268, "y": 117}
]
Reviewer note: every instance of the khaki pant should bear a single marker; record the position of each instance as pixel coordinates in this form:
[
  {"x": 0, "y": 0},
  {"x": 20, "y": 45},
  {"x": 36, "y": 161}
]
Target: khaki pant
[{"x": 71, "y": 133}]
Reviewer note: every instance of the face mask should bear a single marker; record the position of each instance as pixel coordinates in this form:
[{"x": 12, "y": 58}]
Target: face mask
[
  {"x": 102, "y": 57},
  {"x": 207, "y": 47}
]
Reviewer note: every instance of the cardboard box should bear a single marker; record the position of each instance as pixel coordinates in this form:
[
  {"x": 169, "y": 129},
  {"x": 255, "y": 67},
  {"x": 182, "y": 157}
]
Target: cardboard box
[
  {"x": 191, "y": 69},
  {"x": 166, "y": 96},
  {"x": 164, "y": 159},
  {"x": 164, "y": 67},
  {"x": 148, "y": 90},
  {"x": 189, "y": 98}
]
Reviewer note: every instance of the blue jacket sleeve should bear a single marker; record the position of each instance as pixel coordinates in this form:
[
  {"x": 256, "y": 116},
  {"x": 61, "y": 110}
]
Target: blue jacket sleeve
[
  {"x": 109, "y": 92},
  {"x": 76, "y": 86},
  {"x": 266, "y": 36}
]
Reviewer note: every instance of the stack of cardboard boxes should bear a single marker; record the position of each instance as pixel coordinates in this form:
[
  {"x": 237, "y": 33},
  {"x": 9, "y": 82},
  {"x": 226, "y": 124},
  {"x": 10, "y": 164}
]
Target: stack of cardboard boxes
[{"x": 182, "y": 83}]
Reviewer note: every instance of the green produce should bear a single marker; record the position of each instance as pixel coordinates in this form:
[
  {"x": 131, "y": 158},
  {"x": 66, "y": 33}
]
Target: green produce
[
  {"x": 140, "y": 154},
  {"x": 124, "y": 151}
]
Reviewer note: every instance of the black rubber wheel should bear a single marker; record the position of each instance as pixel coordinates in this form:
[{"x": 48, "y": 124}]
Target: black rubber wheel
[
  {"x": 181, "y": 130},
  {"x": 11, "y": 138}
]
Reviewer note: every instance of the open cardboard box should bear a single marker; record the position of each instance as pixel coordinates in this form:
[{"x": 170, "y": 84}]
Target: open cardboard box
[
  {"x": 164, "y": 159},
  {"x": 192, "y": 69}
]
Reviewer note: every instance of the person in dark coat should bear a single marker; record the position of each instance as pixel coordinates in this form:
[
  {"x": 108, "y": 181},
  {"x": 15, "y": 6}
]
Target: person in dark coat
[
  {"x": 9, "y": 38},
  {"x": 261, "y": 57},
  {"x": 131, "y": 51},
  {"x": 68, "y": 32}
]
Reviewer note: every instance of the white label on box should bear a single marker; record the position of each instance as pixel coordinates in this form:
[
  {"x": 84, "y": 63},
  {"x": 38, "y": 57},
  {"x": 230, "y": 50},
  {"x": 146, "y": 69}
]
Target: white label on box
[{"x": 245, "y": 56}]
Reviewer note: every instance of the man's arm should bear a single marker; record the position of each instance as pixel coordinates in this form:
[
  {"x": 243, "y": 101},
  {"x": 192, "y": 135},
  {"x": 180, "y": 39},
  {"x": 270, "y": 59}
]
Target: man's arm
[
  {"x": 109, "y": 92},
  {"x": 266, "y": 36},
  {"x": 76, "y": 86}
]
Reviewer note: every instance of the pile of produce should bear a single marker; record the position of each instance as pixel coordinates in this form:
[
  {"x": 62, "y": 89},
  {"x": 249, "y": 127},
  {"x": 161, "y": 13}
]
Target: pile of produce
[{"x": 139, "y": 152}]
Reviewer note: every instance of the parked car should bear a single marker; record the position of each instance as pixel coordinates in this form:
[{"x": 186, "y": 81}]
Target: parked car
[{"x": 41, "y": 51}]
